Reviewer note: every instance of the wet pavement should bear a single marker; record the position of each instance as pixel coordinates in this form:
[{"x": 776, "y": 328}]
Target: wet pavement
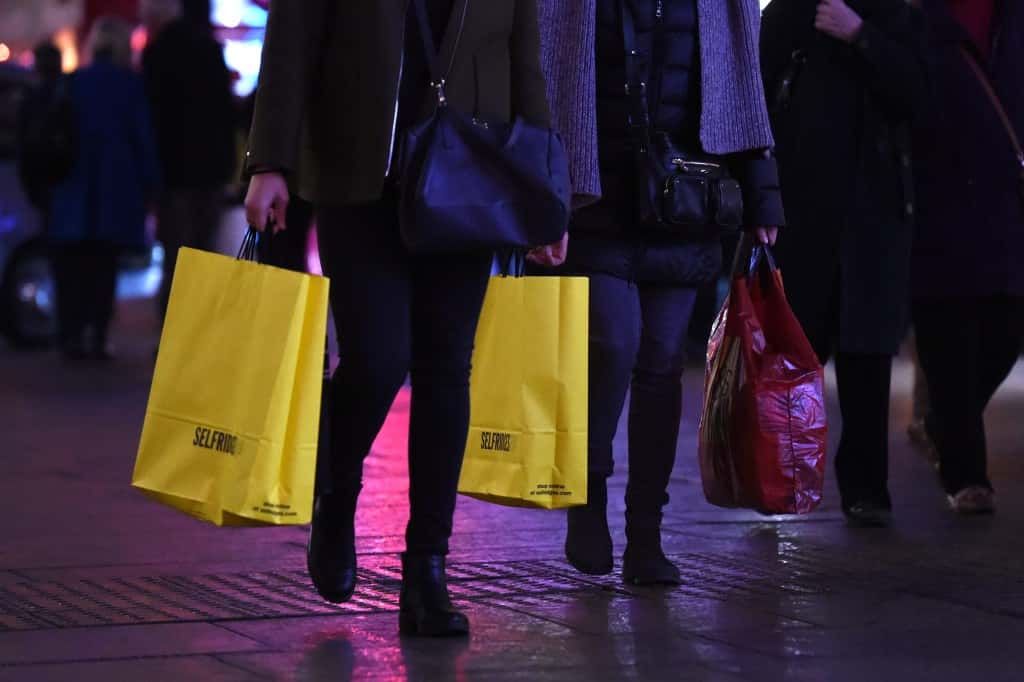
[{"x": 98, "y": 583}]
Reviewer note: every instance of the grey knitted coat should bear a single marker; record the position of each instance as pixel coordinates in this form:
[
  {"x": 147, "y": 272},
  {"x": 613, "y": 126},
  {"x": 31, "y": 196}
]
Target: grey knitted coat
[{"x": 734, "y": 115}]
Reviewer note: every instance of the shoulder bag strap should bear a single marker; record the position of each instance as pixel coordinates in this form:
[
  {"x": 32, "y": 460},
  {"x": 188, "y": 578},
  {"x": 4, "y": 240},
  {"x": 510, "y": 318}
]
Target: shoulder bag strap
[
  {"x": 438, "y": 79},
  {"x": 639, "y": 123},
  {"x": 997, "y": 103}
]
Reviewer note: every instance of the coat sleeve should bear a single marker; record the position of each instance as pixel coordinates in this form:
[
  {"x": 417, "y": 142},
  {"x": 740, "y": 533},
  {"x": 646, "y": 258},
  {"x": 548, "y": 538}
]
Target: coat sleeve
[
  {"x": 295, "y": 32},
  {"x": 529, "y": 93},
  {"x": 758, "y": 175},
  {"x": 892, "y": 57}
]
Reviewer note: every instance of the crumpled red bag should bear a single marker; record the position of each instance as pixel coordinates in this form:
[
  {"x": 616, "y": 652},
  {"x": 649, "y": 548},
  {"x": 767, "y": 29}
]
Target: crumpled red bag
[{"x": 763, "y": 434}]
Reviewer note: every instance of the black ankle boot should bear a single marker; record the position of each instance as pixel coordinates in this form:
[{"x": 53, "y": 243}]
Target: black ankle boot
[
  {"x": 644, "y": 563},
  {"x": 425, "y": 608},
  {"x": 588, "y": 542},
  {"x": 331, "y": 553}
]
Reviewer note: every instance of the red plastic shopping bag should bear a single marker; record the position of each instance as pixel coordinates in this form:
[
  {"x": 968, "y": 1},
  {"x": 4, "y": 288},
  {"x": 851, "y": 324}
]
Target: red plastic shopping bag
[{"x": 763, "y": 425}]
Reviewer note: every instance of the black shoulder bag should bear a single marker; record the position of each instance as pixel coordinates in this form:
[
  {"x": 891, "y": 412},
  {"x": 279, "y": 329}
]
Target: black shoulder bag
[
  {"x": 468, "y": 184},
  {"x": 676, "y": 194}
]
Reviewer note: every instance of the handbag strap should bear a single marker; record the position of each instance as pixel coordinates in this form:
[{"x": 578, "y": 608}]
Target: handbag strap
[
  {"x": 639, "y": 122},
  {"x": 997, "y": 103},
  {"x": 438, "y": 78}
]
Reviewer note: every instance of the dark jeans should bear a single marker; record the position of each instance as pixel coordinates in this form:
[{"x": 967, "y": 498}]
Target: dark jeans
[
  {"x": 399, "y": 314},
  {"x": 185, "y": 217},
  {"x": 637, "y": 345},
  {"x": 967, "y": 348},
  {"x": 86, "y": 281}
]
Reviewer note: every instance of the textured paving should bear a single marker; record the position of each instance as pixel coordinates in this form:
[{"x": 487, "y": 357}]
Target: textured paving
[{"x": 98, "y": 583}]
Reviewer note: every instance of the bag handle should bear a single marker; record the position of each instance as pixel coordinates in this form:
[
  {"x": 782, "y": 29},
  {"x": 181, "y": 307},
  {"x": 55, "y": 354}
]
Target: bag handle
[
  {"x": 249, "y": 250},
  {"x": 997, "y": 104},
  {"x": 760, "y": 255},
  {"x": 438, "y": 78},
  {"x": 751, "y": 256},
  {"x": 512, "y": 263}
]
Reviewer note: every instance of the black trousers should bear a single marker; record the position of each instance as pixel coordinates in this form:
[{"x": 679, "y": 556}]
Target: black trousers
[
  {"x": 864, "y": 382},
  {"x": 967, "y": 347},
  {"x": 85, "y": 275},
  {"x": 862, "y": 460},
  {"x": 288, "y": 249},
  {"x": 396, "y": 315}
]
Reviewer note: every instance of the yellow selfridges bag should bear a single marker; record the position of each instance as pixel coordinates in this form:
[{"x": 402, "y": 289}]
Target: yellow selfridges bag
[
  {"x": 528, "y": 430},
  {"x": 231, "y": 427}
]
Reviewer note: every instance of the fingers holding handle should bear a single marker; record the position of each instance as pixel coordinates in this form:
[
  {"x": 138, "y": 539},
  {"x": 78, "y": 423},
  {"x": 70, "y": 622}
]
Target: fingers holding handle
[{"x": 266, "y": 203}]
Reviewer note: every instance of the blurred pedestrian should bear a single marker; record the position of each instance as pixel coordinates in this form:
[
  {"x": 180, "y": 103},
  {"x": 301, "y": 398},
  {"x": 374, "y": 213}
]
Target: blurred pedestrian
[
  {"x": 845, "y": 80},
  {"x": 693, "y": 71},
  {"x": 100, "y": 208},
  {"x": 968, "y": 279},
  {"x": 190, "y": 93},
  {"x": 323, "y": 124},
  {"x": 43, "y": 122}
]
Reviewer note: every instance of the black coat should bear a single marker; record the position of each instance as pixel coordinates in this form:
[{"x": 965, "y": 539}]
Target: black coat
[
  {"x": 672, "y": 71},
  {"x": 971, "y": 218},
  {"x": 190, "y": 97},
  {"x": 843, "y": 152}
]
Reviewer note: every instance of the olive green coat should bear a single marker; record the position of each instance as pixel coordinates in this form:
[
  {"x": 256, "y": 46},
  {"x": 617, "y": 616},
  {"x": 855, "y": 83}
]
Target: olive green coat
[{"x": 328, "y": 90}]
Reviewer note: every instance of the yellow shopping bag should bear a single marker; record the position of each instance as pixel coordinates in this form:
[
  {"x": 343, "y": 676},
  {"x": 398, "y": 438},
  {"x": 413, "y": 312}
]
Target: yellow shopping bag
[
  {"x": 528, "y": 436},
  {"x": 231, "y": 427}
]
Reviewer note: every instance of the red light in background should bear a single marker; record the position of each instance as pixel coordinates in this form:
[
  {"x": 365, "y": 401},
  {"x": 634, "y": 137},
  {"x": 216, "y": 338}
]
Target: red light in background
[{"x": 139, "y": 39}]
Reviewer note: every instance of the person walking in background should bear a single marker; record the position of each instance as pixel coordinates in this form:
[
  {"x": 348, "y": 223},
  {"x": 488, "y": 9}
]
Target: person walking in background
[
  {"x": 189, "y": 89},
  {"x": 698, "y": 64},
  {"x": 100, "y": 208},
  {"x": 968, "y": 281},
  {"x": 845, "y": 79},
  {"x": 36, "y": 120},
  {"x": 323, "y": 125}
]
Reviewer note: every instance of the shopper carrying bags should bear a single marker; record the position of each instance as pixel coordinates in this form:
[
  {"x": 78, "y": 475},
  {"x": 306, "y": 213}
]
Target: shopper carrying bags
[
  {"x": 844, "y": 80},
  {"x": 680, "y": 113},
  {"x": 339, "y": 87}
]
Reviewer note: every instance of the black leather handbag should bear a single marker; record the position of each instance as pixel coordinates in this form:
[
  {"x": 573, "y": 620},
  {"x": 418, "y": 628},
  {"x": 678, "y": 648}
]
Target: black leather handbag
[
  {"x": 466, "y": 184},
  {"x": 680, "y": 194}
]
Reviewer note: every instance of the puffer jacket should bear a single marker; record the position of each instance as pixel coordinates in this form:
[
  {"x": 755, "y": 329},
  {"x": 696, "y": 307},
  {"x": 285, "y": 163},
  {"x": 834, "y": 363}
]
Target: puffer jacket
[{"x": 667, "y": 39}]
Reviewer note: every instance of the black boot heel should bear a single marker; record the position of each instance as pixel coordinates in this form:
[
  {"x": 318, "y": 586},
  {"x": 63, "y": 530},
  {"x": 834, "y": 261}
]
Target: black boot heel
[
  {"x": 331, "y": 552},
  {"x": 426, "y": 610},
  {"x": 588, "y": 541}
]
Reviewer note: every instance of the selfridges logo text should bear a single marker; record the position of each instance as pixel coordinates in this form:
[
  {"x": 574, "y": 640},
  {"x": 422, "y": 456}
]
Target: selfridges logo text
[
  {"x": 491, "y": 440},
  {"x": 218, "y": 441}
]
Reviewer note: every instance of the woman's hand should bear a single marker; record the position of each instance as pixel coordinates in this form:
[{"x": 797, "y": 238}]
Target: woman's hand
[
  {"x": 836, "y": 19},
  {"x": 551, "y": 255},
  {"x": 266, "y": 203},
  {"x": 767, "y": 235}
]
